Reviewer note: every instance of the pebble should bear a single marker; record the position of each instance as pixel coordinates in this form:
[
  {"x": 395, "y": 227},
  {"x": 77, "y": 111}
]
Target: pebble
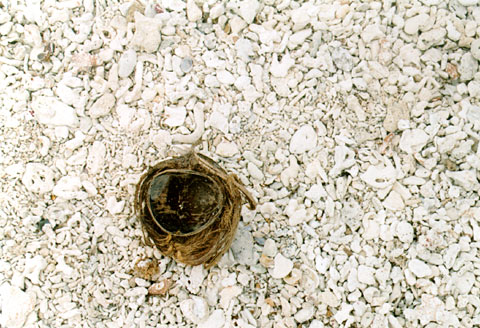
[
  {"x": 226, "y": 149},
  {"x": 33, "y": 267},
  {"x": 242, "y": 247},
  {"x": 468, "y": 67},
  {"x": 217, "y": 11},
  {"x": 465, "y": 179},
  {"x": 96, "y": 157},
  {"x": 193, "y": 12},
  {"x": 404, "y": 232},
  {"x": 175, "y": 116},
  {"x": 225, "y": 77},
  {"x": 38, "y": 178},
  {"x": 366, "y": 275},
  {"x": 269, "y": 248},
  {"x": 305, "y": 314},
  {"x": 68, "y": 187},
  {"x": 126, "y": 63},
  {"x": 475, "y": 49},
  {"x": 102, "y": 106},
  {"x": 215, "y": 320},
  {"x": 394, "y": 201},
  {"x": 186, "y": 64},
  {"x": 413, "y": 24},
  {"x": 413, "y": 141},
  {"x": 468, "y": 3},
  {"x": 380, "y": 176},
  {"x": 342, "y": 59},
  {"x": 147, "y": 34},
  {"x": 51, "y": 111},
  {"x": 255, "y": 172},
  {"x": 371, "y": 32},
  {"x": 16, "y": 306},
  {"x": 465, "y": 282},
  {"x": 67, "y": 95},
  {"x": 281, "y": 267},
  {"x": 304, "y": 139},
  {"x": 280, "y": 69},
  {"x": 248, "y": 9},
  {"x": 194, "y": 309},
  {"x": 419, "y": 268}
]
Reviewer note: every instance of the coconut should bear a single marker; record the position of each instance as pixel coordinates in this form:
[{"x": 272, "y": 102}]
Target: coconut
[{"x": 189, "y": 208}]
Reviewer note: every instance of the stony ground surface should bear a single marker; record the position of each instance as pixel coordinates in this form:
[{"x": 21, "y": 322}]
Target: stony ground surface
[{"x": 354, "y": 124}]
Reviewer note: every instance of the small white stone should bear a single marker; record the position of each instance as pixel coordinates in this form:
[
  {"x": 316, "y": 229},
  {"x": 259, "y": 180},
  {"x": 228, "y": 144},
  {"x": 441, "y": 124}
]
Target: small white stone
[
  {"x": 468, "y": 67},
  {"x": 126, "y": 63},
  {"x": 465, "y": 179},
  {"x": 413, "y": 141},
  {"x": 316, "y": 192},
  {"x": 304, "y": 139},
  {"x": 16, "y": 306},
  {"x": 218, "y": 121},
  {"x": 305, "y": 314},
  {"x": 193, "y": 12},
  {"x": 226, "y": 149},
  {"x": 147, "y": 33},
  {"x": 468, "y": 3},
  {"x": 248, "y": 10},
  {"x": 475, "y": 48},
  {"x": 68, "y": 187},
  {"x": 419, "y": 268},
  {"x": 51, "y": 111},
  {"x": 316, "y": 324},
  {"x": 244, "y": 49},
  {"x": 404, "y": 232},
  {"x": 255, "y": 172},
  {"x": 102, "y": 106},
  {"x": 366, "y": 275},
  {"x": 175, "y": 116},
  {"x": 38, "y": 178},
  {"x": 67, "y": 94},
  {"x": 217, "y": 10},
  {"x": 96, "y": 157},
  {"x": 413, "y": 24},
  {"x": 113, "y": 206},
  {"x": 394, "y": 201},
  {"x": 215, "y": 320},
  {"x": 464, "y": 283},
  {"x": 371, "y": 32},
  {"x": 242, "y": 246},
  {"x": 225, "y": 77},
  {"x": 280, "y": 69},
  {"x": 281, "y": 267},
  {"x": 298, "y": 38},
  {"x": 380, "y": 176},
  {"x": 451, "y": 255},
  {"x": 269, "y": 248},
  {"x": 33, "y": 267},
  {"x": 228, "y": 294},
  {"x": 194, "y": 309}
]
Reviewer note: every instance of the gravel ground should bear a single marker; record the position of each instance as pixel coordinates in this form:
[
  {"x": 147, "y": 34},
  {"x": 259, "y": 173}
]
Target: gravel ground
[{"x": 355, "y": 125}]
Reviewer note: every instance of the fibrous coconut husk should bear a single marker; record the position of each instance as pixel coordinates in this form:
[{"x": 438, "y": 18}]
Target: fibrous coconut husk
[{"x": 190, "y": 207}]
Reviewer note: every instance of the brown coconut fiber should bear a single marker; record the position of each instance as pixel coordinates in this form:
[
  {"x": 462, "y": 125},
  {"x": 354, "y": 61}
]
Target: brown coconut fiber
[{"x": 190, "y": 207}]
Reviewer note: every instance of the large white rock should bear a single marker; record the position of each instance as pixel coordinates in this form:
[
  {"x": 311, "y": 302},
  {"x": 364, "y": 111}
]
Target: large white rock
[
  {"x": 281, "y": 267},
  {"x": 419, "y": 268},
  {"x": 127, "y": 63},
  {"x": 38, "y": 178},
  {"x": 147, "y": 33},
  {"x": 51, "y": 111},
  {"x": 412, "y": 141},
  {"x": 96, "y": 157},
  {"x": 102, "y": 106},
  {"x": 16, "y": 305},
  {"x": 303, "y": 140}
]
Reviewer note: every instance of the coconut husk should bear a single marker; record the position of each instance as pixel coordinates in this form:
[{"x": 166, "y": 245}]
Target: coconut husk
[{"x": 190, "y": 207}]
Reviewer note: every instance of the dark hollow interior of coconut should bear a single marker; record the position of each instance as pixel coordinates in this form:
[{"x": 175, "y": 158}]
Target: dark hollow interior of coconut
[{"x": 183, "y": 203}]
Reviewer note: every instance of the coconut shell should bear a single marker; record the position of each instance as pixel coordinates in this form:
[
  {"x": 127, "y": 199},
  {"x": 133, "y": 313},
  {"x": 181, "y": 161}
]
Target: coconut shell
[{"x": 189, "y": 208}]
